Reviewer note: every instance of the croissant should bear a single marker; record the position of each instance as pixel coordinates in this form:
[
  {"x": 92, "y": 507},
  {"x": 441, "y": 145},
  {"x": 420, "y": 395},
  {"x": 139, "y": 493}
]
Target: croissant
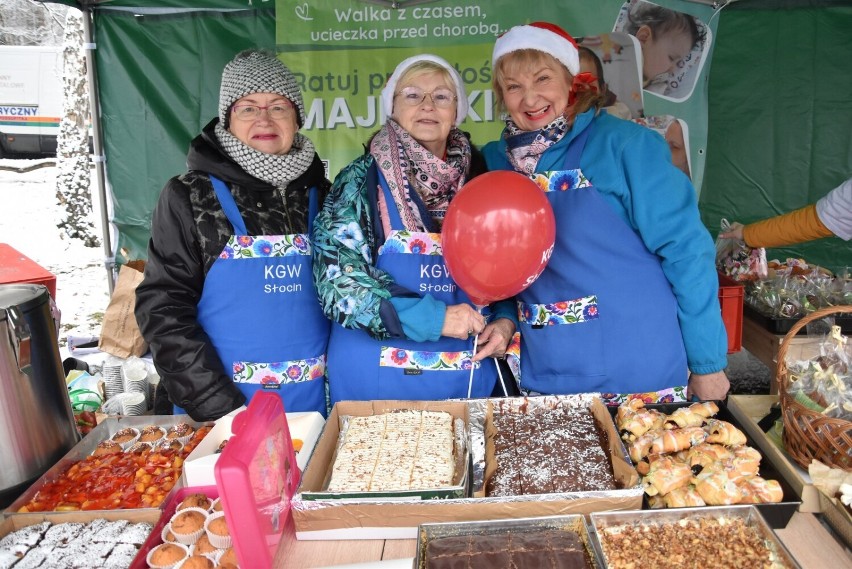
[
  {"x": 744, "y": 463},
  {"x": 640, "y": 423},
  {"x": 705, "y": 409},
  {"x": 656, "y": 502},
  {"x": 684, "y": 497},
  {"x": 684, "y": 417},
  {"x": 757, "y": 490},
  {"x": 665, "y": 475},
  {"x": 673, "y": 440},
  {"x": 716, "y": 489},
  {"x": 706, "y": 454},
  {"x": 627, "y": 409},
  {"x": 640, "y": 448},
  {"x": 724, "y": 433}
]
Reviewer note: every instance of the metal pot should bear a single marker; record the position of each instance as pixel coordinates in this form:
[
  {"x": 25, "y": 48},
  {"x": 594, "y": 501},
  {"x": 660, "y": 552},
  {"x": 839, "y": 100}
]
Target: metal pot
[{"x": 37, "y": 425}]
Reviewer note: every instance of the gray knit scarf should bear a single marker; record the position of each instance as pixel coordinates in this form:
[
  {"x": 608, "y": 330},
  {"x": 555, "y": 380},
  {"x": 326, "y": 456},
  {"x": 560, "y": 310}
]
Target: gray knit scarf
[{"x": 276, "y": 169}]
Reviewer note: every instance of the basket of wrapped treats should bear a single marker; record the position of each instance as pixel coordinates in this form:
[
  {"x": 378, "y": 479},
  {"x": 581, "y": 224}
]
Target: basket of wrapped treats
[{"x": 816, "y": 396}]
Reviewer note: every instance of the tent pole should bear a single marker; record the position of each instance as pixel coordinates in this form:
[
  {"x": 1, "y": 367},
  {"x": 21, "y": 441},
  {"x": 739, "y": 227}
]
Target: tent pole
[{"x": 97, "y": 143}]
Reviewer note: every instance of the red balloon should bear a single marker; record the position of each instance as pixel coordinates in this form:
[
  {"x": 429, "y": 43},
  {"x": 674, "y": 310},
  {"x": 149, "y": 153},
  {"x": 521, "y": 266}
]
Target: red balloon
[{"x": 497, "y": 236}]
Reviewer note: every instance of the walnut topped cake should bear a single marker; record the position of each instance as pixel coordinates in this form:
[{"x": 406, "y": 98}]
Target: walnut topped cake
[
  {"x": 549, "y": 450},
  {"x": 401, "y": 450}
]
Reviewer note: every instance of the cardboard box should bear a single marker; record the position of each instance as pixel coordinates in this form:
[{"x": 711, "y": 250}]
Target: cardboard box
[
  {"x": 199, "y": 465},
  {"x": 316, "y": 488},
  {"x": 399, "y": 519},
  {"x": 14, "y": 522},
  {"x": 749, "y": 410}
]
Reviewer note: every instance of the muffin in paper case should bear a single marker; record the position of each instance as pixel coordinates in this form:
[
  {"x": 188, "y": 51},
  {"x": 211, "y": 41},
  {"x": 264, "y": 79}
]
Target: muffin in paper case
[
  {"x": 188, "y": 535},
  {"x": 167, "y": 555},
  {"x": 197, "y": 562},
  {"x": 217, "y": 530},
  {"x": 204, "y": 547},
  {"x": 126, "y": 437}
]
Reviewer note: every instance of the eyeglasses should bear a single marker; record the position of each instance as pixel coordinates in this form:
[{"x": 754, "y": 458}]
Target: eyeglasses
[
  {"x": 442, "y": 97},
  {"x": 253, "y": 112}
]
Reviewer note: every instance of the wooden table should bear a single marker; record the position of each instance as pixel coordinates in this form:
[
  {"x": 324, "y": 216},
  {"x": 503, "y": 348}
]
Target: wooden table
[{"x": 764, "y": 345}]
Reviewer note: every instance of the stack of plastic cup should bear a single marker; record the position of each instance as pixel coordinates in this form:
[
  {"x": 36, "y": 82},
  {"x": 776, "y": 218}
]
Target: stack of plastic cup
[
  {"x": 135, "y": 375},
  {"x": 133, "y": 403},
  {"x": 113, "y": 378}
]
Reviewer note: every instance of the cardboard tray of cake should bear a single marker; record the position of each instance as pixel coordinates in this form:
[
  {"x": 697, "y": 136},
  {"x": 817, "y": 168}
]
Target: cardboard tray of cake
[
  {"x": 777, "y": 514},
  {"x": 131, "y": 476},
  {"x": 318, "y": 516},
  {"x": 714, "y": 537},
  {"x": 488, "y": 543},
  {"x": 75, "y": 539},
  {"x": 386, "y": 447}
]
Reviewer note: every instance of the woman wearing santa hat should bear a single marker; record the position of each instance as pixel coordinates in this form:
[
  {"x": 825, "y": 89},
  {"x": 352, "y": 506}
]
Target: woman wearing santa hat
[
  {"x": 402, "y": 328},
  {"x": 629, "y": 300}
]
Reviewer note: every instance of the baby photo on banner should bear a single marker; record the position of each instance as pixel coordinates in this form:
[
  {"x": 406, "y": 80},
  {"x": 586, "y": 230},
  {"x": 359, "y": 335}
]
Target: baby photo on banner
[{"x": 674, "y": 46}]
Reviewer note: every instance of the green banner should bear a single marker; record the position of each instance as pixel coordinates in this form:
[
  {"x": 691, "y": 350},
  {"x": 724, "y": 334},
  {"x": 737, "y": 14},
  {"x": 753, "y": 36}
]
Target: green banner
[{"x": 343, "y": 51}]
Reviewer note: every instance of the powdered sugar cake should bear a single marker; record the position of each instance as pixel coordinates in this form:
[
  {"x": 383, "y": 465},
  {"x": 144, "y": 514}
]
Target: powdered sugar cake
[{"x": 402, "y": 450}]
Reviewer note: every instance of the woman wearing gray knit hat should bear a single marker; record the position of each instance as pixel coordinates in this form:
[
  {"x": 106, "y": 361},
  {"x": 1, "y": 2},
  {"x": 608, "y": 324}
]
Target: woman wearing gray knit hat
[
  {"x": 227, "y": 304},
  {"x": 403, "y": 329}
]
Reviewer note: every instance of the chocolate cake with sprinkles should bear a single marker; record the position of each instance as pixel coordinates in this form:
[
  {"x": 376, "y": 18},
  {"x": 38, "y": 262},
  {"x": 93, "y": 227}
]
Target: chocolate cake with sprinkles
[
  {"x": 549, "y": 450},
  {"x": 97, "y": 544}
]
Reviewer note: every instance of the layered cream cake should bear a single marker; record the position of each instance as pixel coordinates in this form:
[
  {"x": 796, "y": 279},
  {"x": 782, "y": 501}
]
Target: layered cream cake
[{"x": 401, "y": 450}]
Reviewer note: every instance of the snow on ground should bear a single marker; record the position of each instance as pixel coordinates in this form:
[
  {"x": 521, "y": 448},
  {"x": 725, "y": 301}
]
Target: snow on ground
[{"x": 28, "y": 221}]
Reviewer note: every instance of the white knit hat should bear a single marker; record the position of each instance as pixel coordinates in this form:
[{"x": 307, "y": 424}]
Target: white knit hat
[
  {"x": 540, "y": 36},
  {"x": 257, "y": 71},
  {"x": 390, "y": 89}
]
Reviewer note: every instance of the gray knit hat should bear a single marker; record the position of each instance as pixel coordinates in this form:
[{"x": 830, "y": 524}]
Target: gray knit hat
[{"x": 257, "y": 71}]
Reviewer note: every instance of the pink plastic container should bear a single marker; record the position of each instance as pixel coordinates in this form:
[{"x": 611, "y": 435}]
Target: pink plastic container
[{"x": 257, "y": 476}]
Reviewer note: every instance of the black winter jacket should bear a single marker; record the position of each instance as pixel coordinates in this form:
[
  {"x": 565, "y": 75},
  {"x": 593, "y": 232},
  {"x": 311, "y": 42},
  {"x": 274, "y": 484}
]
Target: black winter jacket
[{"x": 188, "y": 231}]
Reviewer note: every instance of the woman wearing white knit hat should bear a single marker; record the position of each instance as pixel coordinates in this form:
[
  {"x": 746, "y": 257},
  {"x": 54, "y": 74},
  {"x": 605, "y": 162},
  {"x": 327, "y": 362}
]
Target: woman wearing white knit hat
[
  {"x": 628, "y": 302},
  {"x": 402, "y": 328},
  {"x": 227, "y": 304}
]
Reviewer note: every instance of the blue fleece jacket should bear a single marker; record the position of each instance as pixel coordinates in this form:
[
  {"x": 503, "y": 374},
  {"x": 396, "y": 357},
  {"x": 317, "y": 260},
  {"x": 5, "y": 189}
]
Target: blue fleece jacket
[{"x": 630, "y": 166}]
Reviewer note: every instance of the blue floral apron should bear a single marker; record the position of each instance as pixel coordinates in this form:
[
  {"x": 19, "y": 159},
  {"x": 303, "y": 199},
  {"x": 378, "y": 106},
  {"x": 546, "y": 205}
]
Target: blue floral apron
[
  {"x": 259, "y": 307},
  {"x": 363, "y": 368},
  {"x": 581, "y": 326}
]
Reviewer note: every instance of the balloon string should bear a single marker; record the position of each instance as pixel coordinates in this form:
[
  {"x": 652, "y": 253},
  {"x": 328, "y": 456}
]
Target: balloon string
[
  {"x": 500, "y": 375},
  {"x": 472, "y": 368},
  {"x": 473, "y": 365}
]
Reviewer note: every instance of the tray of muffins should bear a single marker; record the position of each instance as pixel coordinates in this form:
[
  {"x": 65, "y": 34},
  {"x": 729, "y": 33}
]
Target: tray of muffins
[
  {"x": 192, "y": 533},
  {"x": 697, "y": 455},
  {"x": 123, "y": 463},
  {"x": 552, "y": 541}
]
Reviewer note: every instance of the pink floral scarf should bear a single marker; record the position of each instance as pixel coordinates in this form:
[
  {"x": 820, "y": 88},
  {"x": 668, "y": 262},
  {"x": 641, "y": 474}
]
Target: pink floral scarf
[{"x": 410, "y": 168}]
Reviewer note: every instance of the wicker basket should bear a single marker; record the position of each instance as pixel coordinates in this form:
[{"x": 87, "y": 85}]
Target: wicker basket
[{"x": 808, "y": 434}]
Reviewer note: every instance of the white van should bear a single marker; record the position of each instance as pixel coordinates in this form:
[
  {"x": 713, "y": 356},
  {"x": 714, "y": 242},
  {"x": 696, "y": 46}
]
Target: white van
[{"x": 30, "y": 99}]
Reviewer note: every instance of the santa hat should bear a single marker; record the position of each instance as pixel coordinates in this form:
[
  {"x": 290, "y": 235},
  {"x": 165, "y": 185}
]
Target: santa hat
[
  {"x": 390, "y": 89},
  {"x": 541, "y": 36}
]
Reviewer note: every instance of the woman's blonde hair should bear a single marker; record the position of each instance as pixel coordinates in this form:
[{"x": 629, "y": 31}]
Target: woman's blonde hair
[{"x": 531, "y": 59}]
